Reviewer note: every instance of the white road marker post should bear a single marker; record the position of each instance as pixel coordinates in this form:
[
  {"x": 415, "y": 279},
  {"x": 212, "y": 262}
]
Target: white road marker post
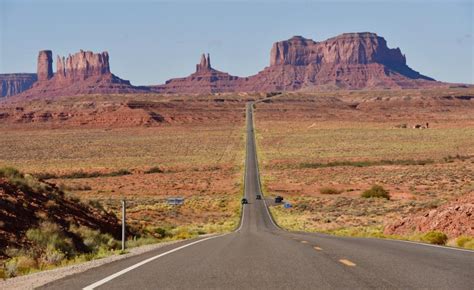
[{"x": 123, "y": 224}]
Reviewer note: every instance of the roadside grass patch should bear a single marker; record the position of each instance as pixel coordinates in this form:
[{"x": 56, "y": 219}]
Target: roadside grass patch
[{"x": 376, "y": 191}]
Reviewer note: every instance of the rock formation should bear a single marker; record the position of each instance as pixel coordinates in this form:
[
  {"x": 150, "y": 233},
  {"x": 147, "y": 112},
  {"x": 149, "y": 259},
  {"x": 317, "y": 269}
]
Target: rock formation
[
  {"x": 12, "y": 84},
  {"x": 45, "y": 65},
  {"x": 204, "y": 81},
  {"x": 350, "y": 61},
  {"x": 347, "y": 61},
  {"x": 84, "y": 72}
]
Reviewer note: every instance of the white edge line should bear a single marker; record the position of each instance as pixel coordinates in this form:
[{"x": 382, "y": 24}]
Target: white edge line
[{"x": 113, "y": 276}]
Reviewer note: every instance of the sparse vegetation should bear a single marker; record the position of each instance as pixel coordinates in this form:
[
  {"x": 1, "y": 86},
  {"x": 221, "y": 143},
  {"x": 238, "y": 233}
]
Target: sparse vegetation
[
  {"x": 367, "y": 163},
  {"x": 435, "y": 237},
  {"x": 376, "y": 191},
  {"x": 465, "y": 242}
]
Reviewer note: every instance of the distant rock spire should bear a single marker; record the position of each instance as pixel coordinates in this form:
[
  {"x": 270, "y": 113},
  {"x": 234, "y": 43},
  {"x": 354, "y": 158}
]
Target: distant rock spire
[{"x": 205, "y": 63}]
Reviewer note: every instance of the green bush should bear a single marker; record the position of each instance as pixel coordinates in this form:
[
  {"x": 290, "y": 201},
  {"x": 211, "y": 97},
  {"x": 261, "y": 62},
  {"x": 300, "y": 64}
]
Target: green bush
[
  {"x": 435, "y": 237},
  {"x": 329, "y": 190},
  {"x": 376, "y": 191}
]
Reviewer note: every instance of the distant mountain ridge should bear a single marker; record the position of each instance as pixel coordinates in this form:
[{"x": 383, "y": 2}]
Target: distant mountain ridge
[{"x": 348, "y": 61}]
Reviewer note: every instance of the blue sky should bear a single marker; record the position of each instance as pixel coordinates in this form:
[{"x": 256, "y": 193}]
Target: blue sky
[{"x": 152, "y": 41}]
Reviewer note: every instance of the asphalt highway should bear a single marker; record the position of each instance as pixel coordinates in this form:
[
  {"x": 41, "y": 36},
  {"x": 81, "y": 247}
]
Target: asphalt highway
[{"x": 260, "y": 255}]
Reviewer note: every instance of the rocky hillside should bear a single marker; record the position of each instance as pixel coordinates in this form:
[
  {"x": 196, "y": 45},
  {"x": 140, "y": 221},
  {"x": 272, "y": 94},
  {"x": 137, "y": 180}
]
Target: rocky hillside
[
  {"x": 454, "y": 218},
  {"x": 26, "y": 203}
]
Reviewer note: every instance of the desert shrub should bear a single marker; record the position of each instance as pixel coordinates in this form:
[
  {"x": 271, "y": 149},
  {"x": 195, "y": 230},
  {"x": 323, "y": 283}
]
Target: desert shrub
[
  {"x": 53, "y": 256},
  {"x": 376, "y": 191},
  {"x": 49, "y": 236},
  {"x": 154, "y": 170},
  {"x": 435, "y": 237},
  {"x": 94, "y": 240},
  {"x": 161, "y": 232},
  {"x": 329, "y": 190},
  {"x": 19, "y": 265},
  {"x": 10, "y": 172},
  {"x": 465, "y": 242},
  {"x": 119, "y": 172}
]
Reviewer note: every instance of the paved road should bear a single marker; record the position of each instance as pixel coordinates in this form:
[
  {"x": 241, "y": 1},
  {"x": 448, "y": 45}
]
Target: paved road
[{"x": 259, "y": 255}]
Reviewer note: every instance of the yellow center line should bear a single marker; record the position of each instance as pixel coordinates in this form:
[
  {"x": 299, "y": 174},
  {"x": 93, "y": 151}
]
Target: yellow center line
[
  {"x": 347, "y": 262},
  {"x": 317, "y": 248}
]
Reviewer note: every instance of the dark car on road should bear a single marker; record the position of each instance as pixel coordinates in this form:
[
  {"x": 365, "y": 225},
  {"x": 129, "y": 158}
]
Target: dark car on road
[
  {"x": 278, "y": 199},
  {"x": 259, "y": 196},
  {"x": 244, "y": 201}
]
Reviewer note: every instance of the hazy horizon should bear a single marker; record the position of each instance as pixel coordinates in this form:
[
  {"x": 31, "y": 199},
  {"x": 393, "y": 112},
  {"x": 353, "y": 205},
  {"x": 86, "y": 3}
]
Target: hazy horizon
[{"x": 148, "y": 44}]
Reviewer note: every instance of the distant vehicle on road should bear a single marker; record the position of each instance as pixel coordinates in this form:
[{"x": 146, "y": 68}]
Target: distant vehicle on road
[
  {"x": 278, "y": 199},
  {"x": 259, "y": 196},
  {"x": 244, "y": 201}
]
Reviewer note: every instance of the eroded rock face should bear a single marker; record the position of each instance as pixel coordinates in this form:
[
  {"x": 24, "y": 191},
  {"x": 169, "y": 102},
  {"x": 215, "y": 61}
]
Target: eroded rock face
[
  {"x": 13, "y": 84},
  {"x": 45, "y": 65},
  {"x": 82, "y": 65}
]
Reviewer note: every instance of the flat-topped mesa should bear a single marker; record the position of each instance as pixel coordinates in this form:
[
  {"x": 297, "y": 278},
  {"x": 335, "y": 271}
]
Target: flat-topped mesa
[
  {"x": 45, "y": 65},
  {"x": 347, "y": 48},
  {"x": 205, "y": 64},
  {"x": 82, "y": 65}
]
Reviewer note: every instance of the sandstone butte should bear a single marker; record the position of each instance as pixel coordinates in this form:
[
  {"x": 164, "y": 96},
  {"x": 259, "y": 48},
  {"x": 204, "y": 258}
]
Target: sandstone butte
[{"x": 348, "y": 61}]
